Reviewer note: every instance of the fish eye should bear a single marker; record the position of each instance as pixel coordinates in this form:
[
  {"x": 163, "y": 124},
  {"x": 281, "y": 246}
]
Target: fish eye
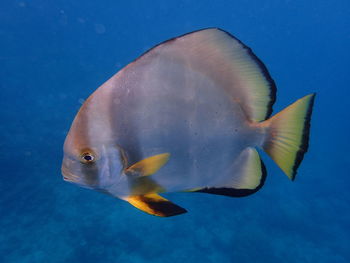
[{"x": 87, "y": 157}]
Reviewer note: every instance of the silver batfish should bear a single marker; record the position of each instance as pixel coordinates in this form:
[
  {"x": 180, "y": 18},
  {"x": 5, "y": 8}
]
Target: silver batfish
[{"x": 187, "y": 115}]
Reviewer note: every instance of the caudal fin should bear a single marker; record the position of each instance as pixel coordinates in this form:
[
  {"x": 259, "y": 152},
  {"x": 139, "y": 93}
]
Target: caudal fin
[{"x": 288, "y": 135}]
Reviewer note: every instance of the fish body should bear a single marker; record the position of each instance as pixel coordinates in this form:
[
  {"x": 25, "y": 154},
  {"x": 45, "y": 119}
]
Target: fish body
[{"x": 187, "y": 115}]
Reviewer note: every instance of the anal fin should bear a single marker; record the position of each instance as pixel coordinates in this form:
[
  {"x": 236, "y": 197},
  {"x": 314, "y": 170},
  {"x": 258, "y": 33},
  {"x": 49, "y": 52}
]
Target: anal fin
[
  {"x": 248, "y": 176},
  {"x": 156, "y": 205}
]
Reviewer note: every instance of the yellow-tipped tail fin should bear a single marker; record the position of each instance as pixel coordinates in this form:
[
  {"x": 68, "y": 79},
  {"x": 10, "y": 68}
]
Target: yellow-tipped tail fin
[
  {"x": 149, "y": 165},
  {"x": 287, "y": 139},
  {"x": 156, "y": 205}
]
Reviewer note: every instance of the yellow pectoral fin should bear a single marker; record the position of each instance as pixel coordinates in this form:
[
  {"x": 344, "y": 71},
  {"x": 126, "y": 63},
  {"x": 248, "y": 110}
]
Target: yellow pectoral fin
[
  {"x": 156, "y": 205},
  {"x": 149, "y": 165}
]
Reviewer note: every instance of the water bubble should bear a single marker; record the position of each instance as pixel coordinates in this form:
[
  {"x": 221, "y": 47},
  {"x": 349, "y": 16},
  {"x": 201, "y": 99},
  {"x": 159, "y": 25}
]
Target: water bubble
[
  {"x": 81, "y": 20},
  {"x": 100, "y": 29},
  {"x": 22, "y": 4}
]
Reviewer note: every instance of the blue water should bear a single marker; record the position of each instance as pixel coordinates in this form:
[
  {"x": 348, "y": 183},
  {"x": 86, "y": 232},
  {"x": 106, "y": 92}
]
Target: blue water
[{"x": 53, "y": 54}]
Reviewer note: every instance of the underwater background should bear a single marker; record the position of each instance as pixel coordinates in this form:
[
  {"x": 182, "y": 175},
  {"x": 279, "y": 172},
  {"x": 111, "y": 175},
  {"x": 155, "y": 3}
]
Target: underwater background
[{"x": 53, "y": 54}]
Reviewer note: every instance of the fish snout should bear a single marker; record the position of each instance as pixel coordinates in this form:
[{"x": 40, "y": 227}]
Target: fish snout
[{"x": 67, "y": 175}]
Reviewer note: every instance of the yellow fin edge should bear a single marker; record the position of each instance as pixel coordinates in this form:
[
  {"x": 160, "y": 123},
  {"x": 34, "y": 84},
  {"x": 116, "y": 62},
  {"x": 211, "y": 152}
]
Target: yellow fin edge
[{"x": 156, "y": 205}]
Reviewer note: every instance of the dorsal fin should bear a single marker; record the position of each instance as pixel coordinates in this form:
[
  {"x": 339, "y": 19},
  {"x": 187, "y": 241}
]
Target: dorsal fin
[{"x": 227, "y": 62}]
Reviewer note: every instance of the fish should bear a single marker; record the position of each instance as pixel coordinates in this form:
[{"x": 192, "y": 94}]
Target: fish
[{"x": 189, "y": 115}]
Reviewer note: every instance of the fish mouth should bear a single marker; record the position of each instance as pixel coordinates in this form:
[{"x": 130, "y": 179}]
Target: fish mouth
[{"x": 68, "y": 176}]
